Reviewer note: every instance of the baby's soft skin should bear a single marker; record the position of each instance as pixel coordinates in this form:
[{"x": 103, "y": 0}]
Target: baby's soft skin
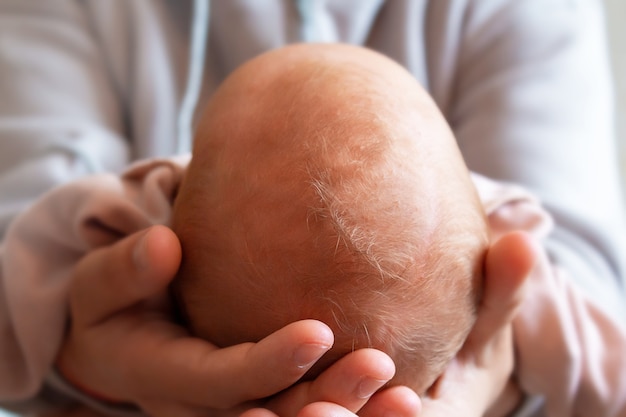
[
  {"x": 325, "y": 184},
  {"x": 105, "y": 351},
  {"x": 123, "y": 345},
  {"x": 474, "y": 382}
]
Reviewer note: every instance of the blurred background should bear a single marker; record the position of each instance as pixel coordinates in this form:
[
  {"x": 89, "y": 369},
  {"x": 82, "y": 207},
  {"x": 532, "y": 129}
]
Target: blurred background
[{"x": 616, "y": 18}]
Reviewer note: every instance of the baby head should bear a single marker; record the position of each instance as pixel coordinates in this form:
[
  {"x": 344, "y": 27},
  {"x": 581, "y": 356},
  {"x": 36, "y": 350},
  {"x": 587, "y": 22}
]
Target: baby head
[{"x": 325, "y": 184}]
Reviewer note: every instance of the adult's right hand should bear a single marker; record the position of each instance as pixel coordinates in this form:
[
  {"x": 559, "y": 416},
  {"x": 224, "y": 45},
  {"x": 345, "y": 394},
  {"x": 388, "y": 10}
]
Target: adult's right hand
[{"x": 124, "y": 346}]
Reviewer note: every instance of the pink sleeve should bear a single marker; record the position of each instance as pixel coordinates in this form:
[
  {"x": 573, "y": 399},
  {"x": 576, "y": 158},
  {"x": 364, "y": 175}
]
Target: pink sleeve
[
  {"x": 568, "y": 350},
  {"x": 45, "y": 242}
]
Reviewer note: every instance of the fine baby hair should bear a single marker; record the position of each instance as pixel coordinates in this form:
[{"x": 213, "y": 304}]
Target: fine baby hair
[{"x": 325, "y": 184}]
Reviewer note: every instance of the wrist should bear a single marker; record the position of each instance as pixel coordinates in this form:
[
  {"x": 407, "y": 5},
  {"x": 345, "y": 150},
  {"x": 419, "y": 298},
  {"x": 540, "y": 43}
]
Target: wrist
[
  {"x": 64, "y": 393},
  {"x": 70, "y": 378},
  {"x": 507, "y": 402}
]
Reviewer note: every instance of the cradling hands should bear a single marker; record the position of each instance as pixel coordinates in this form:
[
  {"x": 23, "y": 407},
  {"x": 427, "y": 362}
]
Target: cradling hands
[{"x": 123, "y": 347}]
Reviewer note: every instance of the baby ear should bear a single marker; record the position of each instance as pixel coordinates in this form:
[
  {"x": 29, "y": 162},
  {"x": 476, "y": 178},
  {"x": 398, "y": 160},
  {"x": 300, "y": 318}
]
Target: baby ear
[{"x": 508, "y": 263}]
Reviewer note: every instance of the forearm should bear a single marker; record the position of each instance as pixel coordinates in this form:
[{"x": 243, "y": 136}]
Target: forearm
[
  {"x": 568, "y": 350},
  {"x": 59, "y": 115},
  {"x": 535, "y": 108},
  {"x": 38, "y": 258}
]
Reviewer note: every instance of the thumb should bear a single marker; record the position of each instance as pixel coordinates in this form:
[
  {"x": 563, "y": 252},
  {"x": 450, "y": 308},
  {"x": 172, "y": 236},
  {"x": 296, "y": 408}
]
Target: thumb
[
  {"x": 508, "y": 264},
  {"x": 113, "y": 278}
]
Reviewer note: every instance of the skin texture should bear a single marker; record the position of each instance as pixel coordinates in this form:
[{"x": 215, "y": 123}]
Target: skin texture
[
  {"x": 119, "y": 314},
  {"x": 111, "y": 331},
  {"x": 325, "y": 184},
  {"x": 476, "y": 380}
]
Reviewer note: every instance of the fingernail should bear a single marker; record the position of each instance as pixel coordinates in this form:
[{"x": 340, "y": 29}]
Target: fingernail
[
  {"x": 368, "y": 386},
  {"x": 305, "y": 356},
  {"x": 139, "y": 252}
]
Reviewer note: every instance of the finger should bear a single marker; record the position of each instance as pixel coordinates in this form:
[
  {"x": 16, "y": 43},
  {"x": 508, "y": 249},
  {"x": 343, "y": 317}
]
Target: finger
[
  {"x": 111, "y": 279},
  {"x": 325, "y": 409},
  {"x": 350, "y": 382},
  {"x": 262, "y": 412},
  {"x": 193, "y": 371},
  {"x": 508, "y": 264},
  {"x": 174, "y": 409},
  {"x": 398, "y": 401},
  {"x": 510, "y": 397}
]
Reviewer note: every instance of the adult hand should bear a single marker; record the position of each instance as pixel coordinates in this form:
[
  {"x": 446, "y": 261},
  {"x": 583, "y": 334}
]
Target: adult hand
[
  {"x": 478, "y": 381},
  {"x": 345, "y": 388},
  {"x": 123, "y": 346}
]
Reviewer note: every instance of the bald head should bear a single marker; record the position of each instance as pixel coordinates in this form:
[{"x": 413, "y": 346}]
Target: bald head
[{"x": 325, "y": 184}]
